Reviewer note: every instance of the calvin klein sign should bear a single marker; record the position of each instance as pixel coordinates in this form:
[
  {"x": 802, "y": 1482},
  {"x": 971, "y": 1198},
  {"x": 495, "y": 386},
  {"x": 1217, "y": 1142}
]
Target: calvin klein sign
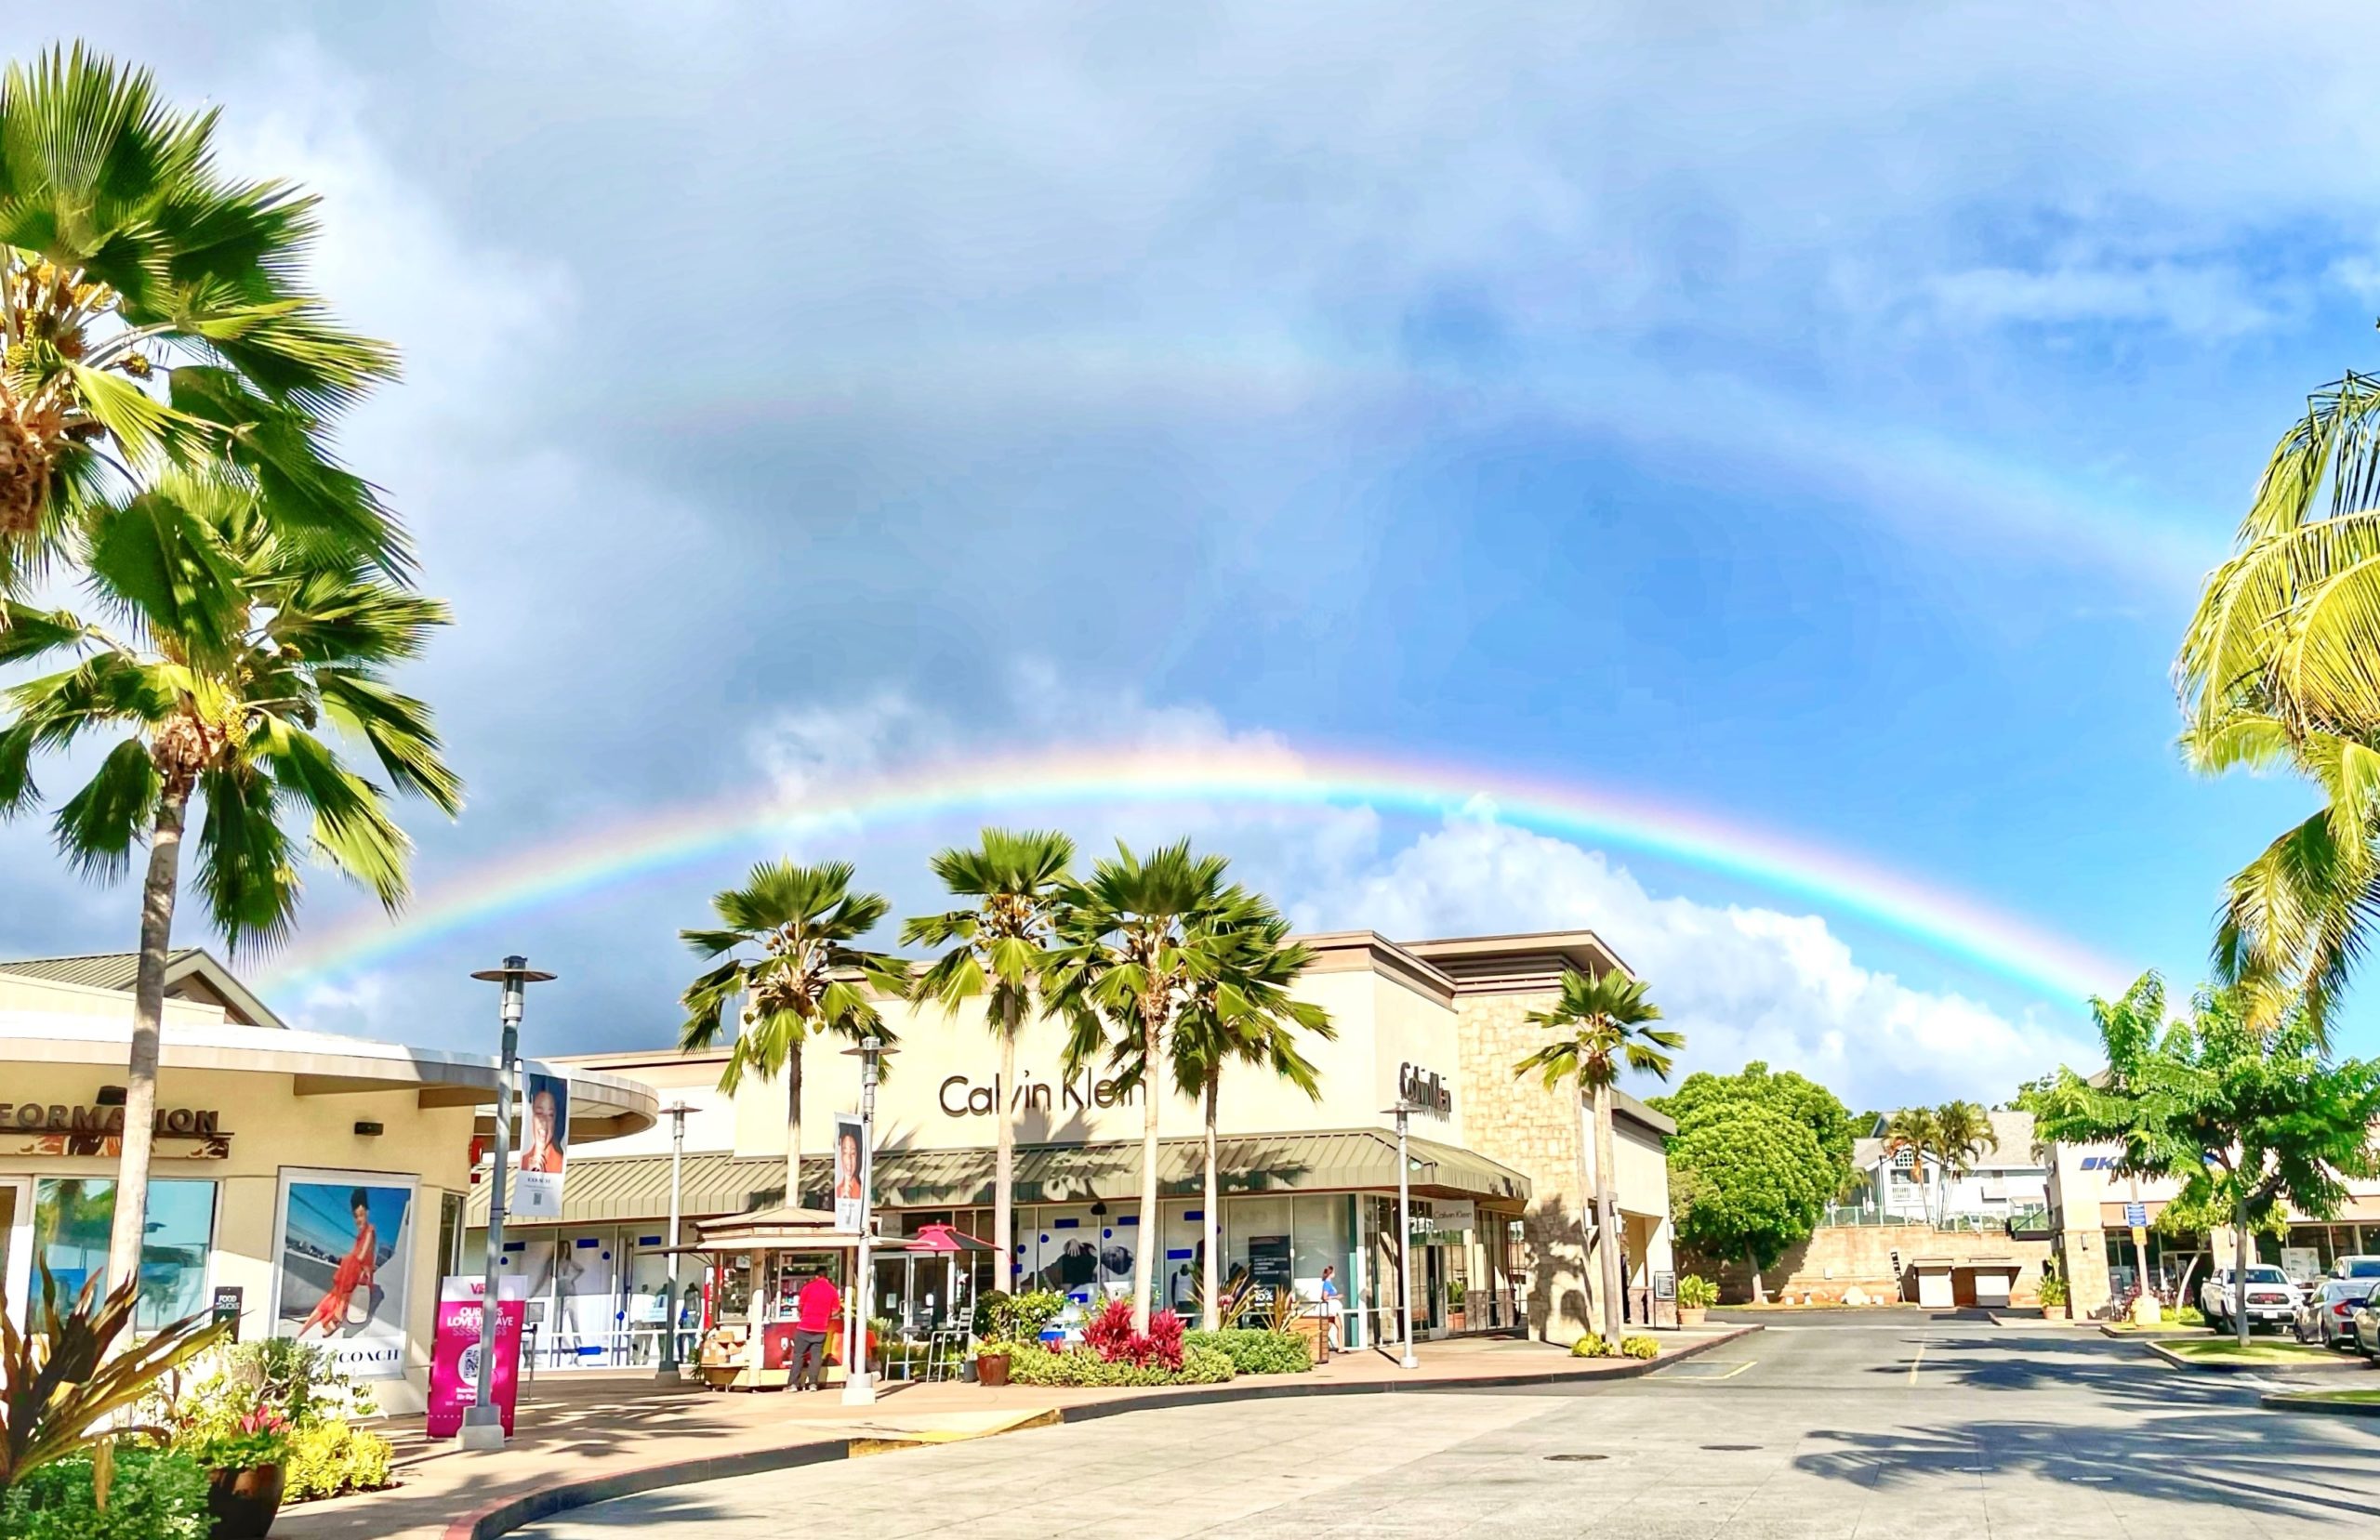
[{"x": 1426, "y": 1090}]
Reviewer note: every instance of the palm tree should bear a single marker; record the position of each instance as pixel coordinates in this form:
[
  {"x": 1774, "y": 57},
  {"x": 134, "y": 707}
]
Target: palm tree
[
  {"x": 1601, "y": 1025},
  {"x": 1244, "y": 1014},
  {"x": 1916, "y": 1132},
  {"x": 1962, "y": 1133},
  {"x": 1137, "y": 942},
  {"x": 237, "y": 645},
  {"x": 809, "y": 980},
  {"x": 2276, "y": 670},
  {"x": 1000, "y": 949},
  {"x": 151, "y": 314}
]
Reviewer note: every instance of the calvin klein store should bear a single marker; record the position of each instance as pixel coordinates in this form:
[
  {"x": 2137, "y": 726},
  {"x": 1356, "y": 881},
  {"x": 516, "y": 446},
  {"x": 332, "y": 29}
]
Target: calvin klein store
[{"x": 1305, "y": 1184}]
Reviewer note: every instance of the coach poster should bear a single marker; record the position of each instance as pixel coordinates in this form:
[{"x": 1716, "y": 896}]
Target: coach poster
[{"x": 346, "y": 1253}]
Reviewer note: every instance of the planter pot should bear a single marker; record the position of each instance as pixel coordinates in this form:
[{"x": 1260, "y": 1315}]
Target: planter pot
[
  {"x": 991, "y": 1369},
  {"x": 2052, "y": 1312},
  {"x": 1692, "y": 1315},
  {"x": 244, "y": 1501},
  {"x": 1454, "y": 1320}
]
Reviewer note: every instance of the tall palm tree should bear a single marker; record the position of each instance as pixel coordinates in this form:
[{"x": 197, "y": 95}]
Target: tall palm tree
[
  {"x": 1244, "y": 1014},
  {"x": 1962, "y": 1133},
  {"x": 1137, "y": 942},
  {"x": 2277, "y": 670},
  {"x": 1917, "y": 1132},
  {"x": 236, "y": 645},
  {"x": 1601, "y": 1022},
  {"x": 152, "y": 312},
  {"x": 809, "y": 980},
  {"x": 1000, "y": 949}
]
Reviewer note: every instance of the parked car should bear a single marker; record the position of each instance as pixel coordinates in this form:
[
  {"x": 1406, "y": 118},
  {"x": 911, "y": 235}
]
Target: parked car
[
  {"x": 2366, "y": 1267},
  {"x": 2271, "y": 1299},
  {"x": 2326, "y": 1314},
  {"x": 2367, "y": 1325}
]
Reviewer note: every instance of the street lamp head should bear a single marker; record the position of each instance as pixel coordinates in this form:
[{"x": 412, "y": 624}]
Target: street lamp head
[
  {"x": 514, "y": 975},
  {"x": 871, "y": 1045}
]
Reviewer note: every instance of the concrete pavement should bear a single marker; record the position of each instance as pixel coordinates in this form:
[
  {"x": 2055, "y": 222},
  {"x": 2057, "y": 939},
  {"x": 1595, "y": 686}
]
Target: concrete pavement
[{"x": 1872, "y": 1424}]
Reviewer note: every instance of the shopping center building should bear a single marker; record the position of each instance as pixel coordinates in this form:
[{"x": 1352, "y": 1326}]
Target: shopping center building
[
  {"x": 1306, "y": 1184},
  {"x": 307, "y": 1183}
]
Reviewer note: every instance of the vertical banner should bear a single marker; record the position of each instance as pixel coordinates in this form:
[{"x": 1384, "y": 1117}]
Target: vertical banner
[
  {"x": 545, "y": 1146},
  {"x": 852, "y": 1159},
  {"x": 454, "y": 1354},
  {"x": 346, "y": 1253}
]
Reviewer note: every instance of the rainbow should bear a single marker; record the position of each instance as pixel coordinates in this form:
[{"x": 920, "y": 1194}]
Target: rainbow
[{"x": 1256, "y": 773}]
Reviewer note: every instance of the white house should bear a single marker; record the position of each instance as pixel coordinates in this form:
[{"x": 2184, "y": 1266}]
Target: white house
[{"x": 2008, "y": 1177}]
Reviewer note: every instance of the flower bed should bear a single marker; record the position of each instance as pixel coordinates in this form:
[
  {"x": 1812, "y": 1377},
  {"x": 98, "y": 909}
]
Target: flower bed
[
  {"x": 1029, "y": 1363},
  {"x": 1258, "y": 1352}
]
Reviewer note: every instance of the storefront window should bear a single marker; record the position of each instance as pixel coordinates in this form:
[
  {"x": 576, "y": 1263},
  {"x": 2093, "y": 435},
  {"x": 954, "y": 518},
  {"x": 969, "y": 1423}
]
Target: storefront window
[{"x": 72, "y": 1215}]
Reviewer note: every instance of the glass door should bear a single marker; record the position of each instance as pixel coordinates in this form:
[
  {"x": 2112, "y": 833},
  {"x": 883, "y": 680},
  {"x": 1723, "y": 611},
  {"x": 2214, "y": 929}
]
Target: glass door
[{"x": 15, "y": 1244}]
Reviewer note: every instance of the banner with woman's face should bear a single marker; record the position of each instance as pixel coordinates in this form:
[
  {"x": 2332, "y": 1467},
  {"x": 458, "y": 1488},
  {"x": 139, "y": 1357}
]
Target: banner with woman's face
[
  {"x": 850, "y": 1181},
  {"x": 545, "y": 1146},
  {"x": 341, "y": 1278}
]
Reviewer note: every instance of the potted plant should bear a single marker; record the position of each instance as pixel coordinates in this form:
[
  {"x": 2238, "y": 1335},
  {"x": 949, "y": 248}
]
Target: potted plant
[
  {"x": 1456, "y": 1291},
  {"x": 991, "y": 1364},
  {"x": 2052, "y": 1298},
  {"x": 243, "y": 1462},
  {"x": 1695, "y": 1297}
]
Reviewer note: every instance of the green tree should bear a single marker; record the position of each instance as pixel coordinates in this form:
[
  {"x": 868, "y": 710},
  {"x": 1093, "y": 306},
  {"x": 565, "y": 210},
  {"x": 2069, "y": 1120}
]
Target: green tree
[
  {"x": 810, "y": 979},
  {"x": 1138, "y": 940},
  {"x": 1962, "y": 1134},
  {"x": 998, "y": 952},
  {"x": 2246, "y": 1119},
  {"x": 2275, "y": 671},
  {"x": 1702, "y": 1095},
  {"x": 1751, "y": 1183},
  {"x": 1602, "y": 1027},
  {"x": 1243, "y": 1014},
  {"x": 236, "y": 646},
  {"x": 1914, "y": 1131},
  {"x": 153, "y": 312}
]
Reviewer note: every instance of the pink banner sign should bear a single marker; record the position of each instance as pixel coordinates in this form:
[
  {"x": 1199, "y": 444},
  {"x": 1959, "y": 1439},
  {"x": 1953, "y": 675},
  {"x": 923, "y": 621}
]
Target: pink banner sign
[{"x": 454, "y": 1354}]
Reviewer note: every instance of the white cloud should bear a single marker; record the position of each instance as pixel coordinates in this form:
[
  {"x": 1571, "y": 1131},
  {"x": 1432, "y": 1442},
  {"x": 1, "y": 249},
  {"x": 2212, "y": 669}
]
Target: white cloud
[
  {"x": 2213, "y": 301},
  {"x": 1741, "y": 983}
]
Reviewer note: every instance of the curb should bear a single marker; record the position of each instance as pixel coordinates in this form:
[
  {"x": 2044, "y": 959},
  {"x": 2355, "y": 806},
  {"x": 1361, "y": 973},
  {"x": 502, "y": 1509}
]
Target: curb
[
  {"x": 509, "y": 1514},
  {"x": 2298, "y": 1400},
  {"x": 2270, "y": 1367}
]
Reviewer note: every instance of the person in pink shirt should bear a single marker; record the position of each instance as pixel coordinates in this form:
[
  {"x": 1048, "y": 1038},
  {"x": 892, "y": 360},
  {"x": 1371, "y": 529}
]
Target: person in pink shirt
[{"x": 815, "y": 1309}]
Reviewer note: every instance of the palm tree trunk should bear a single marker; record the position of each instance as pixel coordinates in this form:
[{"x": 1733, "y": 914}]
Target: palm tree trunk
[
  {"x": 130, "y": 1227},
  {"x": 1211, "y": 1307},
  {"x": 1608, "y": 1216},
  {"x": 2239, "y": 1266},
  {"x": 793, "y": 1127},
  {"x": 1752, "y": 1268},
  {"x": 1152, "y": 1070},
  {"x": 1587, "y": 1285},
  {"x": 1004, "y": 1158}
]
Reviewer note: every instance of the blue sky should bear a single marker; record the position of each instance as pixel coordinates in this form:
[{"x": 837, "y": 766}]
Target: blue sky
[{"x": 1818, "y": 415}]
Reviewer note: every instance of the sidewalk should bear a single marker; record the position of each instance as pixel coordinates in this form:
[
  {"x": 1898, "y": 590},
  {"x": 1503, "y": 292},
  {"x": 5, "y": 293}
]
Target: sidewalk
[{"x": 601, "y": 1426}]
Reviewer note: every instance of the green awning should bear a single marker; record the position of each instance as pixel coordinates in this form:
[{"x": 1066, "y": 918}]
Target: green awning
[{"x": 601, "y": 1188}]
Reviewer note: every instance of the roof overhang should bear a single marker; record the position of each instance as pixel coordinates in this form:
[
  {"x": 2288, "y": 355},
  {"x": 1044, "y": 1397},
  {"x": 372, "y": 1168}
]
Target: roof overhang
[{"x": 603, "y": 1106}]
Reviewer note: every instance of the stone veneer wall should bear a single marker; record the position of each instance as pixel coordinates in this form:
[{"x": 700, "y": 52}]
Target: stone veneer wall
[{"x": 1535, "y": 1132}]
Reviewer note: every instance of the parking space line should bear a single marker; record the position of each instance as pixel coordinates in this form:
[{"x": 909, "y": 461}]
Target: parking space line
[
  {"x": 1916, "y": 1361},
  {"x": 1677, "y": 1371}
]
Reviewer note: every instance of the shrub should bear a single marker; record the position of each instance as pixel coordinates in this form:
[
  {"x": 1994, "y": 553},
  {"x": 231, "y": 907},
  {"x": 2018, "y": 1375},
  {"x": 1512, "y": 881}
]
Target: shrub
[
  {"x": 1110, "y": 1335},
  {"x": 1695, "y": 1293},
  {"x": 1030, "y": 1363},
  {"x": 1253, "y": 1352},
  {"x": 1589, "y": 1345},
  {"x": 155, "y": 1495},
  {"x": 1639, "y": 1346},
  {"x": 330, "y": 1458},
  {"x": 2187, "y": 1315},
  {"x": 260, "y": 1438}
]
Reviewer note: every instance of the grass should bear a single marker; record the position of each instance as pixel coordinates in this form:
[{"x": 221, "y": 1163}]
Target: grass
[{"x": 2224, "y": 1351}]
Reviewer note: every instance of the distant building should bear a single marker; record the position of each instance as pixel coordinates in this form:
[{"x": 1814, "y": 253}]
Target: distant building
[{"x": 2008, "y": 1177}]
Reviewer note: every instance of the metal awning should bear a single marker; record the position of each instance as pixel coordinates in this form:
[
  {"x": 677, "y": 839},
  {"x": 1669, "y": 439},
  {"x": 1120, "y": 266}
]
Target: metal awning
[{"x": 602, "y": 1188}]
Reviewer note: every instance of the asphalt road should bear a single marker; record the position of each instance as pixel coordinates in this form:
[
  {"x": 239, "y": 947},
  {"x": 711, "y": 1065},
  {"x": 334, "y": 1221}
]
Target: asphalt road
[{"x": 1904, "y": 1425}]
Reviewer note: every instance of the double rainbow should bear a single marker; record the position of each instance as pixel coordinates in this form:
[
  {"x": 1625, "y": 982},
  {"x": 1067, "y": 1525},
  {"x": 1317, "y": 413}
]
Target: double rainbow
[{"x": 1247, "y": 774}]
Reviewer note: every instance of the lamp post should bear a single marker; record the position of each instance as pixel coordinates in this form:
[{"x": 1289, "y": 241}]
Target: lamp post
[
  {"x": 483, "y": 1420},
  {"x": 859, "y": 1385},
  {"x": 1403, "y": 1110},
  {"x": 669, "y": 1369}
]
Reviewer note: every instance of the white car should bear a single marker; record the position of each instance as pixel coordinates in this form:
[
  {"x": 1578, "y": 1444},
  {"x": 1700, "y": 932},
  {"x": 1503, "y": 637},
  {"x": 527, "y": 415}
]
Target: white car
[
  {"x": 2272, "y": 1300},
  {"x": 2366, "y": 1267}
]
